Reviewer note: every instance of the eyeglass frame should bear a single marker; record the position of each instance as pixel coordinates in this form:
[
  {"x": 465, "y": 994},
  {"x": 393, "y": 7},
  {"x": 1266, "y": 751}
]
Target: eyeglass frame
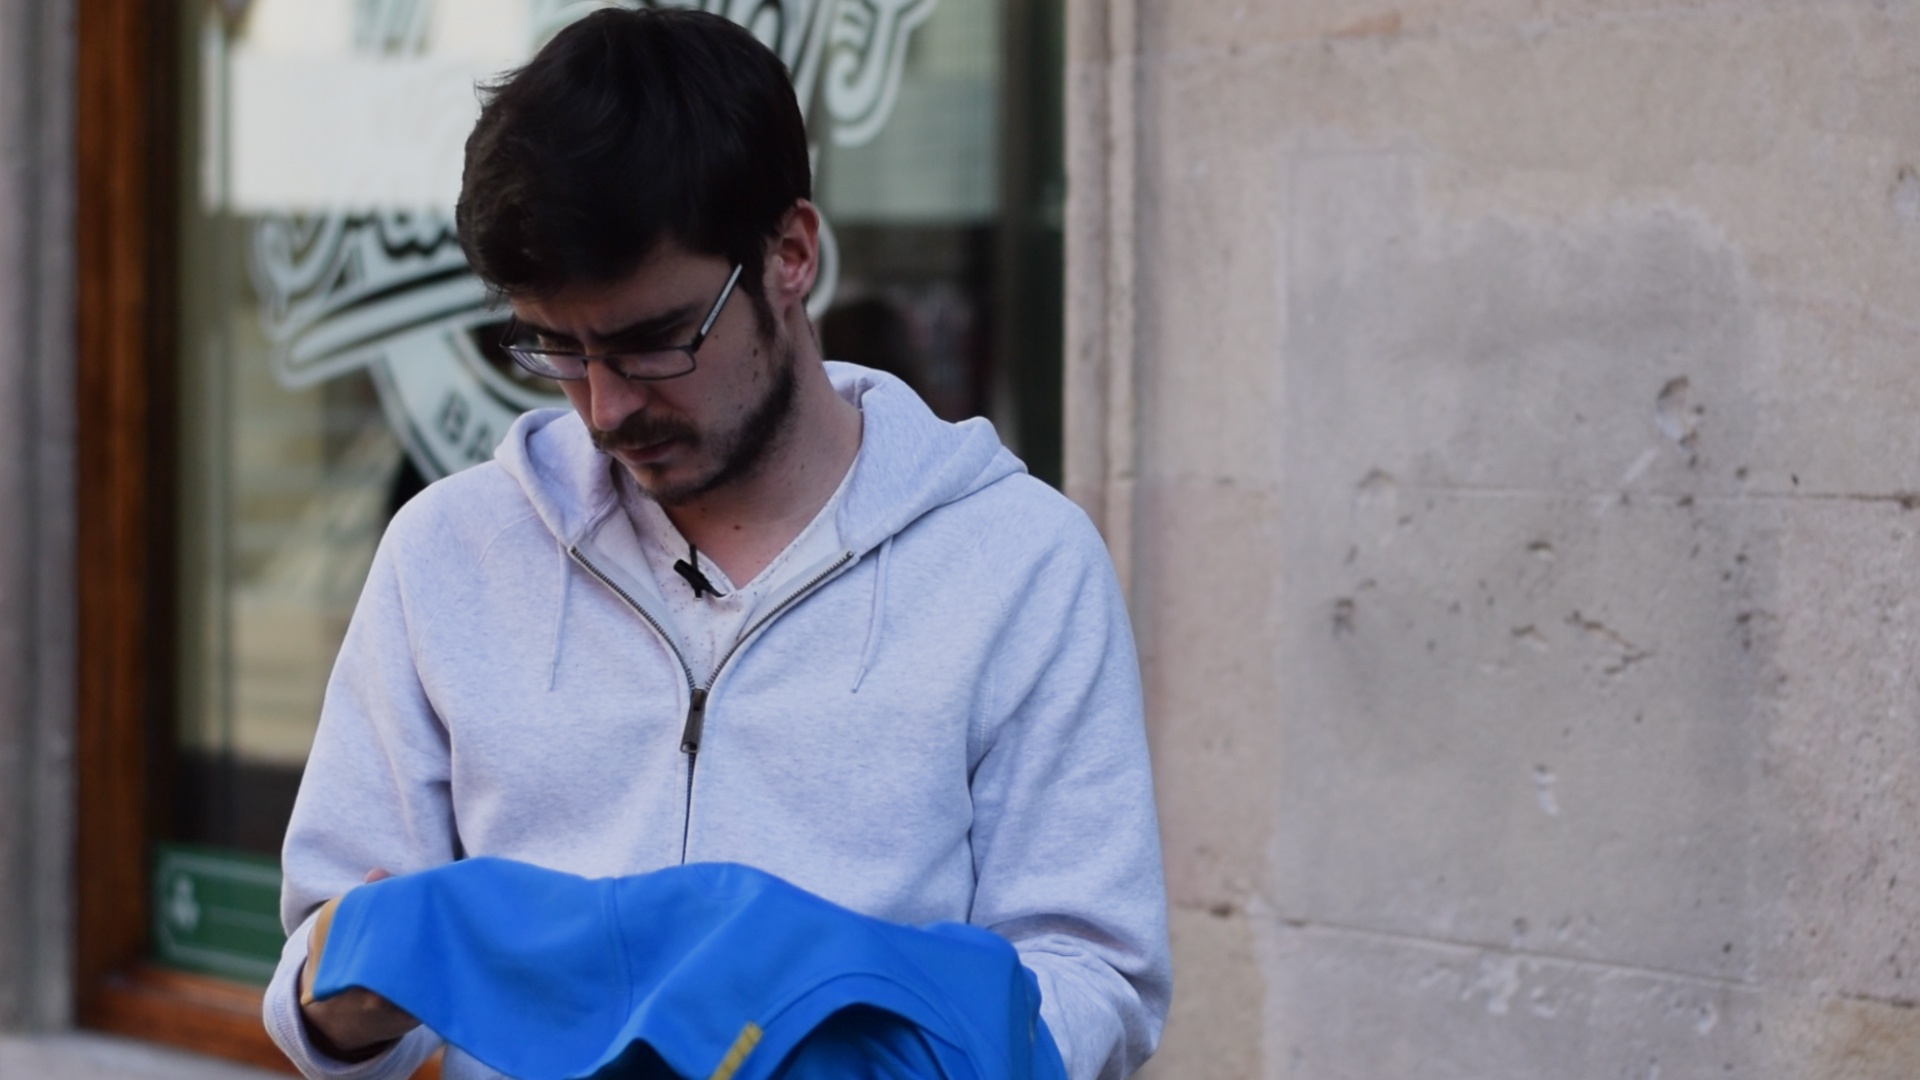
[{"x": 529, "y": 359}]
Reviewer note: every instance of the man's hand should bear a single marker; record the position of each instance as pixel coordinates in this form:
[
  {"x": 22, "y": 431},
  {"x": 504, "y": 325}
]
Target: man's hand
[{"x": 353, "y": 1025}]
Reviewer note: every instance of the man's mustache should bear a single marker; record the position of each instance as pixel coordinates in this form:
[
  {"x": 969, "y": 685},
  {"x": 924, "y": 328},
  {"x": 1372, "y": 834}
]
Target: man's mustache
[{"x": 640, "y": 430}]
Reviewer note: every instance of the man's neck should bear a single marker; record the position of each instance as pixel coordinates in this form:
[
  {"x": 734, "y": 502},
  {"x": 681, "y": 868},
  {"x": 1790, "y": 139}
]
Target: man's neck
[{"x": 744, "y": 525}]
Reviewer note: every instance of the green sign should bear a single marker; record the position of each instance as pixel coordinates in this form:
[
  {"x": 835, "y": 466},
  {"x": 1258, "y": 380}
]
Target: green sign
[{"x": 216, "y": 911}]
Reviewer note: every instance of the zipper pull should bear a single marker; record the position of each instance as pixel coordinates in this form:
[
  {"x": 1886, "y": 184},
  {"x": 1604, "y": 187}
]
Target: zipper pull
[{"x": 696, "y": 718}]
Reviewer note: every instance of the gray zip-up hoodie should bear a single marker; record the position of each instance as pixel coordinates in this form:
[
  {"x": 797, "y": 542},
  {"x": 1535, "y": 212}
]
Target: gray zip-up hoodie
[{"x": 941, "y": 723}]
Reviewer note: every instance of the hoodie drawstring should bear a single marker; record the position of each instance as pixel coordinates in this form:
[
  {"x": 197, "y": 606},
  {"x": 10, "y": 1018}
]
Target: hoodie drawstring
[
  {"x": 873, "y": 620},
  {"x": 560, "y": 616}
]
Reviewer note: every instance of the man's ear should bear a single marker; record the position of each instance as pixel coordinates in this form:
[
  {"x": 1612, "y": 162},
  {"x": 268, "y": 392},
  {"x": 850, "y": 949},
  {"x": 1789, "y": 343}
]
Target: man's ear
[{"x": 793, "y": 256}]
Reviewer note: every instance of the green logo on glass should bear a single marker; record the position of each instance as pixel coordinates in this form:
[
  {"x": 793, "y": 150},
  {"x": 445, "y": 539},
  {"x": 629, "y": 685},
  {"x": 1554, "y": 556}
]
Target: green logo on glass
[{"x": 216, "y": 911}]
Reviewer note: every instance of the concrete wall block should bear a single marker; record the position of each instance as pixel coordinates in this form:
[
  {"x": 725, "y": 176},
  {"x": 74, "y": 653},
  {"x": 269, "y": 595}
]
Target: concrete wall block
[
  {"x": 22, "y": 237},
  {"x": 1356, "y": 1006},
  {"x": 1219, "y": 1001},
  {"x": 1834, "y": 1037},
  {"x": 1208, "y": 577},
  {"x": 1837, "y": 404},
  {"x": 1788, "y": 126},
  {"x": 1518, "y": 92},
  {"x": 1524, "y": 722},
  {"x": 1204, "y": 25},
  {"x": 1212, "y": 412},
  {"x": 36, "y": 571},
  {"x": 1504, "y": 355},
  {"x": 1632, "y": 352},
  {"x": 1583, "y": 368},
  {"x": 1842, "y": 749}
]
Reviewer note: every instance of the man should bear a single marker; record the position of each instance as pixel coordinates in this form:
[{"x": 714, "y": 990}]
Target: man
[{"x": 737, "y": 605}]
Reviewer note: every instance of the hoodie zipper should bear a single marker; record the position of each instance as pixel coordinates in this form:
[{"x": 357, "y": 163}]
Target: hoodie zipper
[
  {"x": 696, "y": 694},
  {"x": 690, "y": 739},
  {"x": 691, "y": 730}
]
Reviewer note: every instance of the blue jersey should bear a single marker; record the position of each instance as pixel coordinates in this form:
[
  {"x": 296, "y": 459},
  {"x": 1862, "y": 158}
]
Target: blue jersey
[{"x": 708, "y": 972}]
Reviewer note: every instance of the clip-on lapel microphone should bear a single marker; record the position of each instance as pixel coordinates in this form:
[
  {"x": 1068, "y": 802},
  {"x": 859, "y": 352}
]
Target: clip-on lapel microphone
[{"x": 689, "y": 568}]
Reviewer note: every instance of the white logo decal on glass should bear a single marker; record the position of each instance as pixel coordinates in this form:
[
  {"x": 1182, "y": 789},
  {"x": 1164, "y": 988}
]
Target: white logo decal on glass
[{"x": 389, "y": 291}]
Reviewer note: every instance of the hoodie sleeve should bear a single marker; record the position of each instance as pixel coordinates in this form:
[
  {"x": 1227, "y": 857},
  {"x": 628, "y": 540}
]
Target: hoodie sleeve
[
  {"x": 375, "y": 795},
  {"x": 281, "y": 1011},
  {"x": 1066, "y": 838}
]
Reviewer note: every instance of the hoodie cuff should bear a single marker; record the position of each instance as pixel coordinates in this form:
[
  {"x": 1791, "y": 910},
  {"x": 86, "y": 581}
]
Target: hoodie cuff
[{"x": 280, "y": 1009}]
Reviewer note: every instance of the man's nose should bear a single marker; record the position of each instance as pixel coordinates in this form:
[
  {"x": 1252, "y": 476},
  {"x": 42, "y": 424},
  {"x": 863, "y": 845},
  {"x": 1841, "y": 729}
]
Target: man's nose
[{"x": 612, "y": 397}]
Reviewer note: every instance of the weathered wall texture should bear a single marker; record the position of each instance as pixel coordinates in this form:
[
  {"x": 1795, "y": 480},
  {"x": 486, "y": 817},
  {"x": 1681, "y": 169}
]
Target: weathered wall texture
[
  {"x": 1507, "y": 416},
  {"x": 36, "y": 500}
]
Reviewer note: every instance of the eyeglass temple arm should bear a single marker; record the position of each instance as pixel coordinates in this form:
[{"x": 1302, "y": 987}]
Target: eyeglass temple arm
[{"x": 714, "y": 315}]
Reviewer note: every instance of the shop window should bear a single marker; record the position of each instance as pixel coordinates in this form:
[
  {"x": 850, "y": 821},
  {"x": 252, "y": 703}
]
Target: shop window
[{"x": 310, "y": 349}]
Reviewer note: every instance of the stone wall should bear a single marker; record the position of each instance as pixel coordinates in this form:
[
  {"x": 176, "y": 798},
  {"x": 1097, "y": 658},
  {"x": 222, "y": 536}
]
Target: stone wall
[
  {"x": 1505, "y": 414},
  {"x": 36, "y": 511}
]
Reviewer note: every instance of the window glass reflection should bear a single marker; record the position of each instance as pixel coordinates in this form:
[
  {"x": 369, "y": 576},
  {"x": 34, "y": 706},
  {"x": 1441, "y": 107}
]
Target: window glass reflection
[{"x": 335, "y": 354}]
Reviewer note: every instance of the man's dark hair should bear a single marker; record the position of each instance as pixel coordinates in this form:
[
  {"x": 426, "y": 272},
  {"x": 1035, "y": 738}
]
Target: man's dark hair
[{"x": 632, "y": 127}]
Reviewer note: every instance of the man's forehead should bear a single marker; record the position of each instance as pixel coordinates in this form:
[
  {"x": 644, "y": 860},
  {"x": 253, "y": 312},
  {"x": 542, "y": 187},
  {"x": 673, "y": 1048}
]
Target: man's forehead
[{"x": 663, "y": 289}]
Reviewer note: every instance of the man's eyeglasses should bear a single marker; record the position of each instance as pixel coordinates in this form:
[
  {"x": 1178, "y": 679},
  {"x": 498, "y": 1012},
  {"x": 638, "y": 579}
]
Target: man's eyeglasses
[{"x": 665, "y": 362}]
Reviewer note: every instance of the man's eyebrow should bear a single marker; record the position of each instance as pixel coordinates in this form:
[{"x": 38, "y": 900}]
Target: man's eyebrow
[{"x": 651, "y": 327}]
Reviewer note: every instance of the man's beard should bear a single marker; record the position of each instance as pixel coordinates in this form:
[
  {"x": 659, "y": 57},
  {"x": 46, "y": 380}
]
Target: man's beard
[{"x": 737, "y": 453}]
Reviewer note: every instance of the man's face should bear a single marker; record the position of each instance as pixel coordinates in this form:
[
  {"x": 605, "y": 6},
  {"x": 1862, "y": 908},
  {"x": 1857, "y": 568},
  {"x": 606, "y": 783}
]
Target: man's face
[{"x": 683, "y": 437}]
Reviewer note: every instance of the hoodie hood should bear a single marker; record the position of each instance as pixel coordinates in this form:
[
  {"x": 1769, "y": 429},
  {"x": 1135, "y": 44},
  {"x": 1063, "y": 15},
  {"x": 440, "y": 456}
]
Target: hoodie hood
[{"x": 910, "y": 462}]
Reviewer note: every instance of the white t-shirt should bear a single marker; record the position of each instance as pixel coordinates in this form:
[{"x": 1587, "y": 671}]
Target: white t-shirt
[{"x": 709, "y": 626}]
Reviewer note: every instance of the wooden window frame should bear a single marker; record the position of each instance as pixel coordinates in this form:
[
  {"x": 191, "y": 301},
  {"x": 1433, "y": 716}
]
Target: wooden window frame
[
  {"x": 125, "y": 206},
  {"x": 126, "y": 104}
]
